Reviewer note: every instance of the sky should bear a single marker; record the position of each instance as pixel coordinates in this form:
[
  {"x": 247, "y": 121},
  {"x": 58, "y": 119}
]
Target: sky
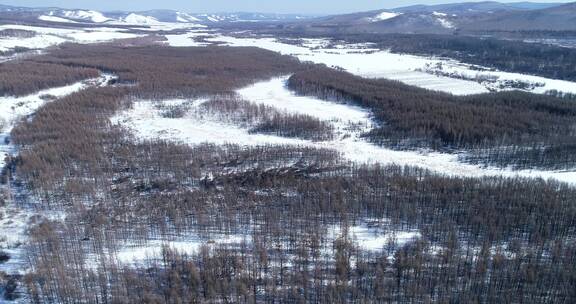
[{"x": 213, "y": 6}]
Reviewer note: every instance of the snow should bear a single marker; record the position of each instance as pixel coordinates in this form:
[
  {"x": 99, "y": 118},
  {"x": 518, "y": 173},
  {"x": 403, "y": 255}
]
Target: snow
[
  {"x": 355, "y": 148},
  {"x": 37, "y": 42},
  {"x": 375, "y": 238},
  {"x": 439, "y": 14},
  {"x": 383, "y": 16},
  {"x": 55, "y": 19},
  {"x": 446, "y": 23},
  {"x": 38, "y": 29},
  {"x": 274, "y": 93},
  {"x": 92, "y": 16},
  {"x": 313, "y": 43},
  {"x": 349, "y": 122},
  {"x": 366, "y": 236},
  {"x": 366, "y": 63},
  {"x": 47, "y": 36},
  {"x": 185, "y": 40},
  {"x": 409, "y": 69},
  {"x": 183, "y": 17},
  {"x": 146, "y": 120},
  {"x": 12, "y": 108},
  {"x": 139, "y": 19},
  {"x": 99, "y": 36},
  {"x": 15, "y": 218},
  {"x": 544, "y": 84},
  {"x": 138, "y": 254}
]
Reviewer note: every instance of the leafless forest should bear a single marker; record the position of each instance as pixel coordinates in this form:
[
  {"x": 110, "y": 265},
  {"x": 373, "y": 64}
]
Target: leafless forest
[
  {"x": 480, "y": 240},
  {"x": 507, "y": 128}
]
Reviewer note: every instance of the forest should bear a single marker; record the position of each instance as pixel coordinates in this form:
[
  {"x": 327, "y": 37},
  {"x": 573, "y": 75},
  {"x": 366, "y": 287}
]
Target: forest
[
  {"x": 294, "y": 209},
  {"x": 504, "y": 128},
  {"x": 22, "y": 79}
]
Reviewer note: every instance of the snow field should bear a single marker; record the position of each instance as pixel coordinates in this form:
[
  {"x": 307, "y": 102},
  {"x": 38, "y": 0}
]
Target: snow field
[
  {"x": 350, "y": 122},
  {"x": 138, "y": 254},
  {"x": 146, "y": 121},
  {"x": 410, "y": 69},
  {"x": 184, "y": 40},
  {"x": 369, "y": 238},
  {"x": 55, "y": 19},
  {"x": 46, "y": 37},
  {"x": 375, "y": 239}
]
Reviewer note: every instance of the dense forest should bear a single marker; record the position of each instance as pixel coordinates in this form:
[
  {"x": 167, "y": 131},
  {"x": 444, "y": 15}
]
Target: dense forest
[
  {"x": 294, "y": 208},
  {"x": 505, "y": 128},
  {"x": 18, "y": 79}
]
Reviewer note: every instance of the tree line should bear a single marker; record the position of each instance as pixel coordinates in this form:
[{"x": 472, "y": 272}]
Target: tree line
[
  {"x": 24, "y": 78},
  {"x": 413, "y": 117}
]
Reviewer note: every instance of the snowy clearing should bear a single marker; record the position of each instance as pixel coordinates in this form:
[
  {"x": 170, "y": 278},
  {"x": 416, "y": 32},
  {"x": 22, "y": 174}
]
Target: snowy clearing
[
  {"x": 185, "y": 39},
  {"x": 138, "y": 254},
  {"x": 146, "y": 121},
  {"x": 373, "y": 238},
  {"x": 410, "y": 69},
  {"x": 349, "y": 122},
  {"x": 46, "y": 37},
  {"x": 366, "y": 236}
]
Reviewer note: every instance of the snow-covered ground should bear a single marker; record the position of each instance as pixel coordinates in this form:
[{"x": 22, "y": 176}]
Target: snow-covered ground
[
  {"x": 373, "y": 238},
  {"x": 14, "y": 217},
  {"x": 183, "y": 20},
  {"x": 410, "y": 69},
  {"x": 187, "y": 39},
  {"x": 366, "y": 62},
  {"x": 55, "y": 19},
  {"x": 383, "y": 16},
  {"x": 146, "y": 120},
  {"x": 349, "y": 122},
  {"x": 367, "y": 237},
  {"x": 85, "y": 15},
  {"x": 432, "y": 73},
  {"x": 47, "y": 36},
  {"x": 137, "y": 253}
]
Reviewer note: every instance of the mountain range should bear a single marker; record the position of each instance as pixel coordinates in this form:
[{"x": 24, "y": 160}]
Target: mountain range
[
  {"x": 461, "y": 18},
  {"x": 52, "y": 14},
  {"x": 467, "y": 18}
]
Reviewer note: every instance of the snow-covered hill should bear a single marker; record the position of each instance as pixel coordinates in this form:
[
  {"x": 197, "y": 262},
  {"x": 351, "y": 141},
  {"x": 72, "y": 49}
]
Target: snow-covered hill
[
  {"x": 250, "y": 17},
  {"x": 151, "y": 17},
  {"x": 139, "y": 19},
  {"x": 82, "y": 15},
  {"x": 470, "y": 17}
]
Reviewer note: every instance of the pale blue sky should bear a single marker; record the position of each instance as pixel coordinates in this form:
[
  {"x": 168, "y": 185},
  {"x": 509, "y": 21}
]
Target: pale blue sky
[{"x": 265, "y": 6}]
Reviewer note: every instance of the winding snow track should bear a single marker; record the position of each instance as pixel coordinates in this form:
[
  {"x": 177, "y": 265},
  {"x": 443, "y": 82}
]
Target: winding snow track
[{"x": 16, "y": 216}]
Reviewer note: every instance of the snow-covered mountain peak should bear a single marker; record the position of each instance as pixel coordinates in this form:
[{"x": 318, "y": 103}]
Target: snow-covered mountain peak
[
  {"x": 84, "y": 15},
  {"x": 383, "y": 16},
  {"x": 134, "y": 18}
]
